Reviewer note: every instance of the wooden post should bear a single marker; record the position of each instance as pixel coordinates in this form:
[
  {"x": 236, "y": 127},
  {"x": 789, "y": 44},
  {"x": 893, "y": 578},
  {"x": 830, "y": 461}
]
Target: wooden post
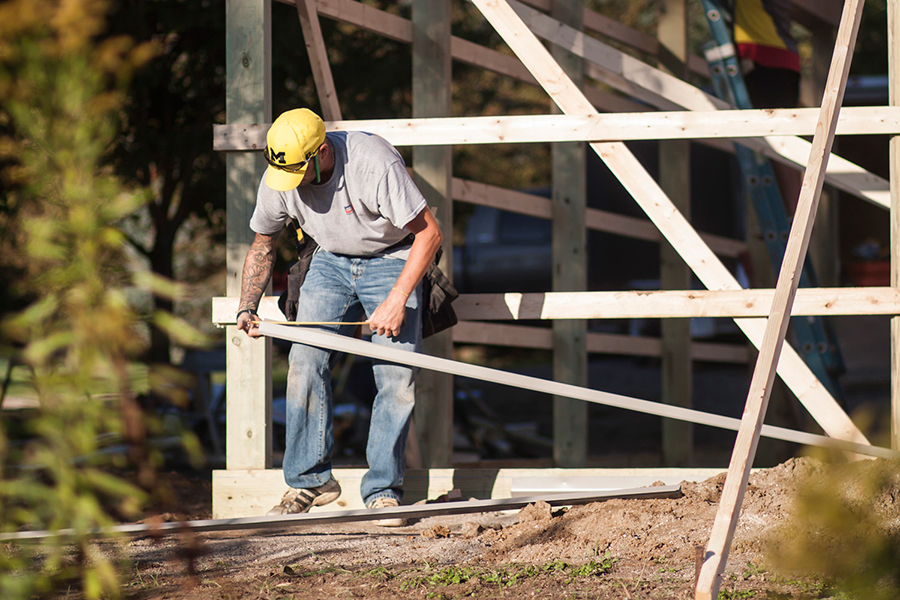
[
  {"x": 570, "y": 417},
  {"x": 893, "y": 10},
  {"x": 248, "y": 431},
  {"x": 433, "y": 172},
  {"x": 729, "y": 510},
  {"x": 825, "y": 242},
  {"x": 675, "y": 180},
  {"x": 318, "y": 59}
]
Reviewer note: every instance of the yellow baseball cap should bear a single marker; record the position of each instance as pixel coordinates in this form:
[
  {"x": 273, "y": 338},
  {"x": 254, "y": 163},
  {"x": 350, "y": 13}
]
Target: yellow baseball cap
[{"x": 293, "y": 139}]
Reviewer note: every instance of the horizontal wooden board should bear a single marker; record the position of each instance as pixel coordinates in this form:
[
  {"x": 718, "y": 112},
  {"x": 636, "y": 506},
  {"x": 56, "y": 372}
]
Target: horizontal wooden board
[
  {"x": 637, "y": 304},
  {"x": 726, "y": 124},
  {"x": 248, "y": 493}
]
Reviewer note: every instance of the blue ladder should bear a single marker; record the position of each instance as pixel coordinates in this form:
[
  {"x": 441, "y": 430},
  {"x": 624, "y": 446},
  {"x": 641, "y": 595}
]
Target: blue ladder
[{"x": 815, "y": 337}]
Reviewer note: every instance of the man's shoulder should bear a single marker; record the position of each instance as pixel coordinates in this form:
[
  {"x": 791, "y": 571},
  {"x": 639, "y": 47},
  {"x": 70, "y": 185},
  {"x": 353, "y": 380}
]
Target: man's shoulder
[{"x": 363, "y": 142}]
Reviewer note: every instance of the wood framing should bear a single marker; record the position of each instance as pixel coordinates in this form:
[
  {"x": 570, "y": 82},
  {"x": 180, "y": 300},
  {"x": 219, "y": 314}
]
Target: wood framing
[
  {"x": 433, "y": 174},
  {"x": 633, "y": 76},
  {"x": 675, "y": 179},
  {"x": 712, "y": 273},
  {"x": 569, "y": 265},
  {"x": 253, "y": 492},
  {"x": 709, "y": 579},
  {"x": 638, "y": 304},
  {"x": 520, "y": 336},
  {"x": 248, "y": 432},
  {"x": 597, "y": 220},
  {"x": 893, "y": 8},
  {"x": 680, "y": 124},
  {"x": 399, "y": 29},
  {"x": 318, "y": 59}
]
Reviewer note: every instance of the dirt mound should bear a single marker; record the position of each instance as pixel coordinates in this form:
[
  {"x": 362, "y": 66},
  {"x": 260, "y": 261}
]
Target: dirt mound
[{"x": 662, "y": 529}]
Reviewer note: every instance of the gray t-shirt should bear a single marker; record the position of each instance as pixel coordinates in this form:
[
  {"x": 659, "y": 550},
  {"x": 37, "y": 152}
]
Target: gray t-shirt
[{"x": 360, "y": 211}]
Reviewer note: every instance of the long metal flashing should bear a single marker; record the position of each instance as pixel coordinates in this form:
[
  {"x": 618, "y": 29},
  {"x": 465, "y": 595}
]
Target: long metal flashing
[
  {"x": 341, "y": 343},
  {"x": 348, "y": 516}
]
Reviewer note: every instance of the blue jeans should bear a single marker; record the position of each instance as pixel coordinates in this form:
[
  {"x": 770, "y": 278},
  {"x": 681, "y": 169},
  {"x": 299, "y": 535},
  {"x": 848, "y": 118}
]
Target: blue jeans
[{"x": 346, "y": 289}]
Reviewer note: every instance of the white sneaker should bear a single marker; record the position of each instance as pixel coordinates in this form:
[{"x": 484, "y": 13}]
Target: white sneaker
[
  {"x": 297, "y": 501},
  {"x": 387, "y": 502}
]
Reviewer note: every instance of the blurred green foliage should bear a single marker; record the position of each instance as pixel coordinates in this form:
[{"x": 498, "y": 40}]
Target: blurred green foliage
[
  {"x": 62, "y": 86},
  {"x": 844, "y": 528}
]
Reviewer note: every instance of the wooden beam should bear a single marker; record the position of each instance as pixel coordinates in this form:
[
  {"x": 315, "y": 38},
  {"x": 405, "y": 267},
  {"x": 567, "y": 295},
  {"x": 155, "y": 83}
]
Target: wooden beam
[
  {"x": 642, "y": 304},
  {"x": 709, "y": 579},
  {"x": 569, "y": 269},
  {"x": 672, "y": 125},
  {"x": 620, "y": 67},
  {"x": 711, "y": 272},
  {"x": 893, "y": 33},
  {"x": 318, "y": 59},
  {"x": 614, "y": 30},
  {"x": 354, "y": 346},
  {"x": 676, "y": 366},
  {"x": 399, "y": 29},
  {"x": 674, "y": 304},
  {"x": 252, "y": 492},
  {"x": 519, "y": 336},
  {"x": 597, "y": 220},
  {"x": 433, "y": 174},
  {"x": 248, "y": 431}
]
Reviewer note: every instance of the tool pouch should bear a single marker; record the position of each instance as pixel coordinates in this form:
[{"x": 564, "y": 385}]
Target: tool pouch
[{"x": 290, "y": 299}]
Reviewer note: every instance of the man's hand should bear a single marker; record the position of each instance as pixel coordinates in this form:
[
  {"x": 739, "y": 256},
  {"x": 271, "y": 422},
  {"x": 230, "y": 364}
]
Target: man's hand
[
  {"x": 254, "y": 279},
  {"x": 249, "y": 322},
  {"x": 388, "y": 317}
]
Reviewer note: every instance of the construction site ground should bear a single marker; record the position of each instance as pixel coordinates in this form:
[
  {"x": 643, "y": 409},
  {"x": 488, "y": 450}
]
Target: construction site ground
[{"x": 612, "y": 549}]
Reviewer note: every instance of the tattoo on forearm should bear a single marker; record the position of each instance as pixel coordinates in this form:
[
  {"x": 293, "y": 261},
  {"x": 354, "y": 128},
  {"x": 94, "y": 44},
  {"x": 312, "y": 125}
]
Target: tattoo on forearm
[{"x": 257, "y": 270}]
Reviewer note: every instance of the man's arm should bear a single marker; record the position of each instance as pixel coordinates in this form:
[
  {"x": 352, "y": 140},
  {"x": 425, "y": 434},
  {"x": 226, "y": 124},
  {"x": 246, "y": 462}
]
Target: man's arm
[
  {"x": 254, "y": 279},
  {"x": 388, "y": 317}
]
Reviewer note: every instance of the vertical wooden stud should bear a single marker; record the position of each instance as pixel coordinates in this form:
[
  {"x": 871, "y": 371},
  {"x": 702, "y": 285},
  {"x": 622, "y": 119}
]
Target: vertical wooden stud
[
  {"x": 893, "y": 10},
  {"x": 569, "y": 159},
  {"x": 433, "y": 171},
  {"x": 675, "y": 180},
  {"x": 248, "y": 435}
]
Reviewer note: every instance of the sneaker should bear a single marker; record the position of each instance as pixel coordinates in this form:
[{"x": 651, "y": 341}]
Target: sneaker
[
  {"x": 387, "y": 502},
  {"x": 297, "y": 501}
]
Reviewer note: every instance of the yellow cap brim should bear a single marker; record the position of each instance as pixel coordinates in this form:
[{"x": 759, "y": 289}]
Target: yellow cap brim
[{"x": 283, "y": 181}]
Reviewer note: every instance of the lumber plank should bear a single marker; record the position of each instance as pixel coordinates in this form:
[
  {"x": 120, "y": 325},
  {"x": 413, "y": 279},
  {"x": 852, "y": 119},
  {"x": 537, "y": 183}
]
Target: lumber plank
[
  {"x": 595, "y": 219},
  {"x": 245, "y": 493},
  {"x": 516, "y": 129},
  {"x": 642, "y": 304},
  {"x": 893, "y": 31},
  {"x": 826, "y": 10},
  {"x": 433, "y": 175},
  {"x": 248, "y": 441},
  {"x": 350, "y": 345},
  {"x": 676, "y": 364},
  {"x": 397, "y": 28},
  {"x": 519, "y": 336},
  {"x": 712, "y": 273},
  {"x": 728, "y": 513},
  {"x": 620, "y": 67},
  {"x": 569, "y": 265},
  {"x": 318, "y": 59}
]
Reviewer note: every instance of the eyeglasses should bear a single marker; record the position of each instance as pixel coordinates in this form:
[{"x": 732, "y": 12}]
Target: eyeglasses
[{"x": 291, "y": 168}]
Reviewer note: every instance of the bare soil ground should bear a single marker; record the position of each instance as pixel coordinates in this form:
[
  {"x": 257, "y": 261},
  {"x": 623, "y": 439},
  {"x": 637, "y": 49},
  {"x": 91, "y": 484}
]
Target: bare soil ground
[{"x": 613, "y": 549}]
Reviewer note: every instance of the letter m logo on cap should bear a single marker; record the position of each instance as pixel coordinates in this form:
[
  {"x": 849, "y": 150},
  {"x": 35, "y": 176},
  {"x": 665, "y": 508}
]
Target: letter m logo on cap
[{"x": 277, "y": 156}]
